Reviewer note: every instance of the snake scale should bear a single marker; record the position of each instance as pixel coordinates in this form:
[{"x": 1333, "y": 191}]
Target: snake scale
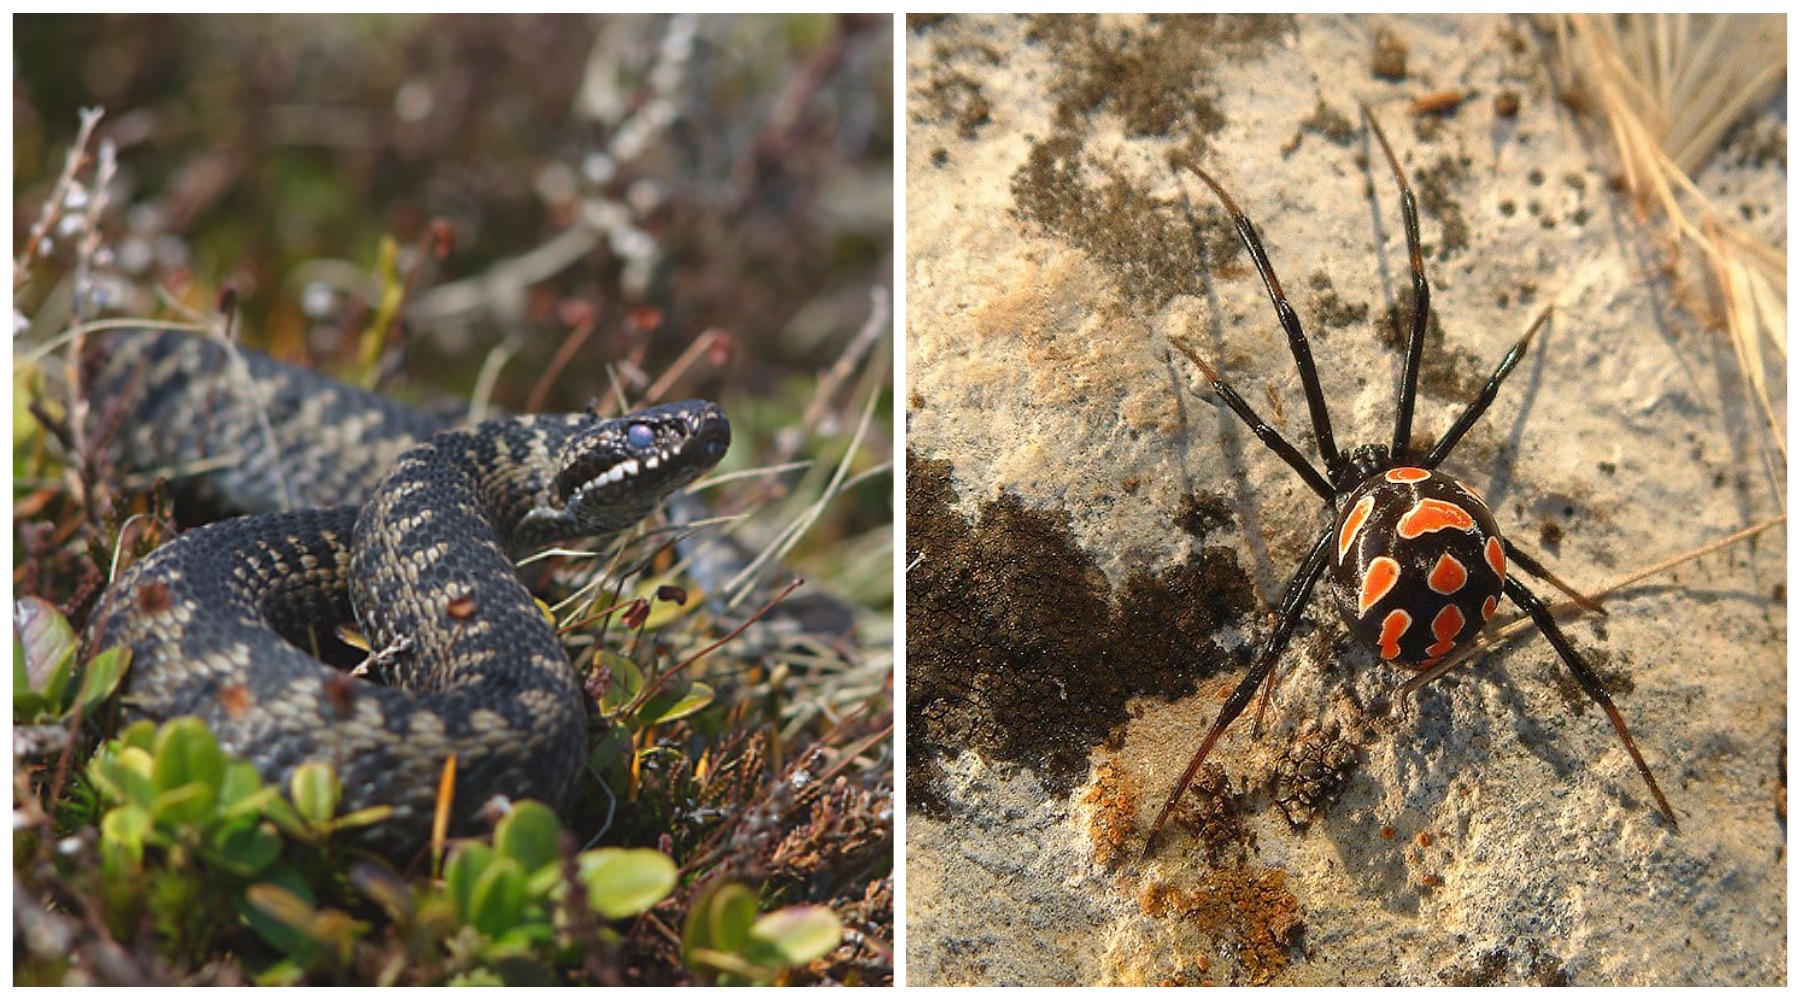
[{"x": 362, "y": 508}]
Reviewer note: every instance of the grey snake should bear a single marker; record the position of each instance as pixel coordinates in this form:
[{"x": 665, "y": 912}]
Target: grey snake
[{"x": 359, "y": 507}]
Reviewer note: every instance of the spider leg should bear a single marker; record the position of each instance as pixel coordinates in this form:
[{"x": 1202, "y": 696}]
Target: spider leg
[
  {"x": 1485, "y": 397},
  {"x": 1590, "y": 683},
  {"x": 1537, "y": 569},
  {"x": 1421, "y": 301},
  {"x": 1293, "y": 605},
  {"x": 1269, "y": 435},
  {"x": 1290, "y": 320},
  {"x": 1262, "y": 703}
]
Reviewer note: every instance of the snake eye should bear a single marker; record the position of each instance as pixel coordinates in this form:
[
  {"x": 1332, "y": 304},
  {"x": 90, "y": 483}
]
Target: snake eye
[{"x": 640, "y": 436}]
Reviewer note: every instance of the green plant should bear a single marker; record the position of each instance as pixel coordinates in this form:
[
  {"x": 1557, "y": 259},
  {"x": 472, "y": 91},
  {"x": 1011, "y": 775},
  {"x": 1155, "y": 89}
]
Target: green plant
[
  {"x": 44, "y": 648},
  {"x": 185, "y": 833},
  {"x": 727, "y": 942}
]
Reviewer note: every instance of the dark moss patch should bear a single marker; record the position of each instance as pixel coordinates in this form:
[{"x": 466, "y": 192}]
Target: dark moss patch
[
  {"x": 1488, "y": 969},
  {"x": 1330, "y": 310},
  {"x": 1018, "y": 649},
  {"x": 1156, "y": 78},
  {"x": 1509, "y": 966},
  {"x": 953, "y": 96},
  {"x": 1330, "y": 123},
  {"x": 1152, "y": 248},
  {"x": 1435, "y": 186},
  {"x": 1203, "y": 513}
]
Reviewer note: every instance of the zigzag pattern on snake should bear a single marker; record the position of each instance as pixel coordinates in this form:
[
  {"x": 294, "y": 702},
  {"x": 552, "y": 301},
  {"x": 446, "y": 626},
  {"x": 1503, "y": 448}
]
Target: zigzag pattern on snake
[{"x": 409, "y": 528}]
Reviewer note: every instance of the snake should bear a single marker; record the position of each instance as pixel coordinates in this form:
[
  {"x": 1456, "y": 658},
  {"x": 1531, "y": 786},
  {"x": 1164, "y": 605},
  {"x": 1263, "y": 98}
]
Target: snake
[{"x": 353, "y": 506}]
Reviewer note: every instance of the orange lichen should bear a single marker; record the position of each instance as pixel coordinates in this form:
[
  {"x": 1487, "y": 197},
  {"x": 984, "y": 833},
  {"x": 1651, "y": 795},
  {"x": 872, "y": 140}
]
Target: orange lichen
[
  {"x": 1112, "y": 824},
  {"x": 1250, "y": 906}
]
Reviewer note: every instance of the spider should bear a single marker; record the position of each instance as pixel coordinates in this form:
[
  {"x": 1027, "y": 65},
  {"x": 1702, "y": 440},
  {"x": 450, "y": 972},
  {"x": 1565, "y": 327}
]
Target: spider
[{"x": 1416, "y": 561}]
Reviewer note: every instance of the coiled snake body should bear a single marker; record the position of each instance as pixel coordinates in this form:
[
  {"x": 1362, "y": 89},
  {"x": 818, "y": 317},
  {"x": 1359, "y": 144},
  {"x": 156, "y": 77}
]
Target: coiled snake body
[{"x": 221, "y": 621}]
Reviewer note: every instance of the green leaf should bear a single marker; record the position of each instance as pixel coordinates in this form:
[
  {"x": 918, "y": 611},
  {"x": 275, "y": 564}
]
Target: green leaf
[
  {"x": 101, "y": 677},
  {"x": 187, "y": 753},
  {"x": 245, "y": 847},
  {"x": 794, "y": 936},
  {"x": 46, "y": 642},
  {"x": 28, "y": 705},
  {"x": 282, "y": 913},
  {"x": 242, "y": 791},
  {"x": 189, "y": 805},
  {"x": 675, "y": 700},
  {"x": 122, "y": 835},
  {"x": 611, "y": 752},
  {"x": 314, "y": 789},
  {"x": 623, "y": 882},
  {"x": 461, "y": 874},
  {"x": 721, "y": 919},
  {"x": 140, "y": 734},
  {"x": 45, "y": 704},
  {"x": 528, "y": 835},
  {"x": 498, "y": 897},
  {"x": 623, "y": 684},
  {"x": 286, "y": 972},
  {"x": 740, "y": 971},
  {"x": 123, "y": 776},
  {"x": 366, "y": 816}
]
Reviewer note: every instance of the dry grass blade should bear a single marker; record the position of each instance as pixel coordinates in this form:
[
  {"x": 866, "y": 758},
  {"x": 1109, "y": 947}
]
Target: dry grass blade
[
  {"x": 1669, "y": 88},
  {"x": 823, "y": 484}
]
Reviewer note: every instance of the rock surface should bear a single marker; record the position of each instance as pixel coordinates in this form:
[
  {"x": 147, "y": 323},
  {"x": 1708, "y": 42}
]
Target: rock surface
[{"x": 1095, "y": 545}]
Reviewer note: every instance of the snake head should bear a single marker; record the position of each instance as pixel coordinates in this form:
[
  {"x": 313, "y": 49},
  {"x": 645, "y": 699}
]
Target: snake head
[{"x": 613, "y": 475}]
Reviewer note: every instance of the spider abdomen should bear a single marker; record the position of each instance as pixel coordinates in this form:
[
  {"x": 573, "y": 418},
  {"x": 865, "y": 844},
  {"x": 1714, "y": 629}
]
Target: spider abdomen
[{"x": 1417, "y": 564}]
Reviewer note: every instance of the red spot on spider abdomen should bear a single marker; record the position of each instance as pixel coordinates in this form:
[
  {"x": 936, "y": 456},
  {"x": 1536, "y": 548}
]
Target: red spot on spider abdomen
[
  {"x": 1393, "y": 628},
  {"x": 1448, "y": 576},
  {"x": 1353, "y": 522},
  {"x": 1434, "y": 515},
  {"x": 1445, "y": 628},
  {"x": 1377, "y": 582}
]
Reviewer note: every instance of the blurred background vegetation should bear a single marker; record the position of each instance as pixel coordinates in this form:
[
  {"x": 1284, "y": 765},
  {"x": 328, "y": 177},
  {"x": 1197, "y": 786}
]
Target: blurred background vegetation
[
  {"x": 664, "y": 175},
  {"x": 758, "y": 161}
]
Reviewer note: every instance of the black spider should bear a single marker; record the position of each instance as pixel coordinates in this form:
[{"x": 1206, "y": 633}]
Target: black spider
[{"x": 1417, "y": 563}]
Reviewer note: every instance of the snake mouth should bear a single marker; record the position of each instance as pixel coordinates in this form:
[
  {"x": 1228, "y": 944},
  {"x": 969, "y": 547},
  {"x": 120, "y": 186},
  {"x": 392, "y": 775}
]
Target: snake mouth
[{"x": 650, "y": 453}]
